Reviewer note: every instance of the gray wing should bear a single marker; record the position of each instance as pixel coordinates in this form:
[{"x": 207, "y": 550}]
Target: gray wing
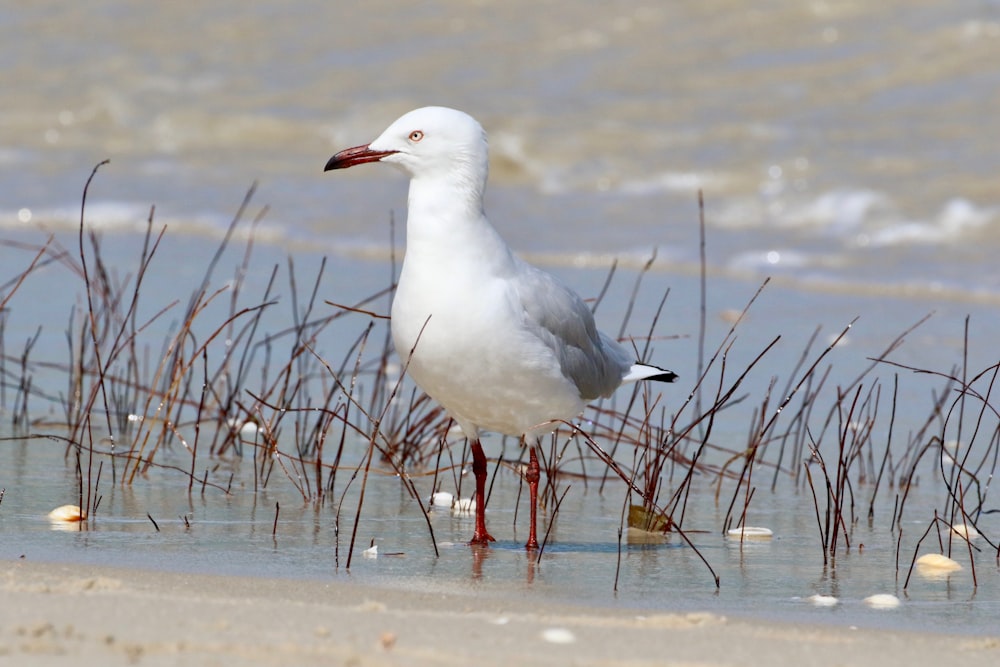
[{"x": 560, "y": 318}]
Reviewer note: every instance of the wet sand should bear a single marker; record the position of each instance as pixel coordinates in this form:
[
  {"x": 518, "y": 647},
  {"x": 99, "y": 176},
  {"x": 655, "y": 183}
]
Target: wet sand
[{"x": 55, "y": 614}]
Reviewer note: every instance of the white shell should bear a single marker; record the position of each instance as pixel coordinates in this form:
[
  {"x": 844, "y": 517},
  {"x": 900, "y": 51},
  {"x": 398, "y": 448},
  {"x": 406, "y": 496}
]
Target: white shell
[
  {"x": 965, "y": 531},
  {"x": 249, "y": 429},
  {"x": 558, "y": 636},
  {"x": 882, "y": 601},
  {"x": 823, "y": 600},
  {"x": 750, "y": 533},
  {"x": 442, "y": 499}
]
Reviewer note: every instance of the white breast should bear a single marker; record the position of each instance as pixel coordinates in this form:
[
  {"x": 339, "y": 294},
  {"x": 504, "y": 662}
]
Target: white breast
[{"x": 472, "y": 353}]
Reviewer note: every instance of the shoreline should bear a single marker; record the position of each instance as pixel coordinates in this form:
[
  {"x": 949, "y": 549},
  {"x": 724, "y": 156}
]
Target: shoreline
[{"x": 54, "y": 613}]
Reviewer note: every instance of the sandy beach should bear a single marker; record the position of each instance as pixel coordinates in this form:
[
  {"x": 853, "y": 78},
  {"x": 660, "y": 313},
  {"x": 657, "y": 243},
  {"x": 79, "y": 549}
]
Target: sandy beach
[{"x": 55, "y": 614}]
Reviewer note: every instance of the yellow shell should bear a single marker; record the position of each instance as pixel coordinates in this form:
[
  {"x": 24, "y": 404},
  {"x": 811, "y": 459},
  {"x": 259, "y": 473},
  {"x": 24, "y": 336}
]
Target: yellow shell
[
  {"x": 938, "y": 562},
  {"x": 67, "y": 513}
]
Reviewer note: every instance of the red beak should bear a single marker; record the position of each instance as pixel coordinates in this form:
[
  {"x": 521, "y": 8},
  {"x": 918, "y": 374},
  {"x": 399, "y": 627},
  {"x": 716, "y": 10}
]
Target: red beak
[{"x": 352, "y": 156}]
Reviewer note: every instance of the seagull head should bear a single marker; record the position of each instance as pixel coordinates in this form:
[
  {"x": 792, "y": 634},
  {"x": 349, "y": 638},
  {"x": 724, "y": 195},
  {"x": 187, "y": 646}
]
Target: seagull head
[{"x": 431, "y": 142}]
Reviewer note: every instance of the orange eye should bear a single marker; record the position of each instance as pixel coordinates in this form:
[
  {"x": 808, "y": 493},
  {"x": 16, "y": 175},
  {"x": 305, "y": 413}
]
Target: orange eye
[{"x": 416, "y": 136}]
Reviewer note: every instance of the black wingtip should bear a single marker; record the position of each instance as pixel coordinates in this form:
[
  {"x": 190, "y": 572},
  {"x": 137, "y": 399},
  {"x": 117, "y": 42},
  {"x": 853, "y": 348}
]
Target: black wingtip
[
  {"x": 644, "y": 371},
  {"x": 665, "y": 376}
]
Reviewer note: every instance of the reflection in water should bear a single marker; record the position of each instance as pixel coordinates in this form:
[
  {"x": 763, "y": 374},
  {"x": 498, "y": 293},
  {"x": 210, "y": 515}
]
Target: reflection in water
[
  {"x": 479, "y": 554},
  {"x": 69, "y": 526}
]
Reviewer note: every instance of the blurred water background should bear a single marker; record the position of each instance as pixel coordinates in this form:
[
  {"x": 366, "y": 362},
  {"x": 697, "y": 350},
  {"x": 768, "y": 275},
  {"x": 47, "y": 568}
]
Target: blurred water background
[{"x": 836, "y": 142}]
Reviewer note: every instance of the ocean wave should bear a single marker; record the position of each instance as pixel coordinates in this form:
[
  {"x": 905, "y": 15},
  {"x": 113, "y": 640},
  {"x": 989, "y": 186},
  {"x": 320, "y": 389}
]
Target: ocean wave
[
  {"x": 958, "y": 218},
  {"x": 106, "y": 215},
  {"x": 859, "y": 218},
  {"x": 668, "y": 181},
  {"x": 775, "y": 259},
  {"x": 837, "y": 212},
  {"x": 129, "y": 217},
  {"x": 851, "y": 217}
]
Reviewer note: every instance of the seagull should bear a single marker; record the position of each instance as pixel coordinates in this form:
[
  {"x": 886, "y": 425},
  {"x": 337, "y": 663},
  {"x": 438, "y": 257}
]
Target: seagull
[{"x": 503, "y": 346}]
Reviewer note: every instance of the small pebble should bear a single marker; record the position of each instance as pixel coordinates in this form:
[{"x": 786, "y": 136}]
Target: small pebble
[
  {"x": 730, "y": 315},
  {"x": 949, "y": 451}
]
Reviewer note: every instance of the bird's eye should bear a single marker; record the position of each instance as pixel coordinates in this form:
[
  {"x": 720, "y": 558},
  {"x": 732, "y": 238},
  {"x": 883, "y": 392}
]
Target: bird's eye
[{"x": 416, "y": 136}]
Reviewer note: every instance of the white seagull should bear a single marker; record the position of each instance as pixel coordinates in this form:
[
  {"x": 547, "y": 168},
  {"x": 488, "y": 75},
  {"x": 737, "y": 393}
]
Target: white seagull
[{"x": 502, "y": 345}]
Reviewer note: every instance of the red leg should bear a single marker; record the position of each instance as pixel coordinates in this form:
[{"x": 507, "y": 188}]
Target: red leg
[
  {"x": 479, "y": 470},
  {"x": 532, "y": 476}
]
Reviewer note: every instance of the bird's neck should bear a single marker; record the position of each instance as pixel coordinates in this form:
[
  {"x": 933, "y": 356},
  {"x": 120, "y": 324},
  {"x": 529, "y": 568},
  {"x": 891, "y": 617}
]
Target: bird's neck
[
  {"x": 444, "y": 211},
  {"x": 446, "y": 198}
]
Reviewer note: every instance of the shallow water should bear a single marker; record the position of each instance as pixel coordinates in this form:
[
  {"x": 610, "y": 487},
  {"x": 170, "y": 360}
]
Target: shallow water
[
  {"x": 233, "y": 535},
  {"x": 845, "y": 150}
]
